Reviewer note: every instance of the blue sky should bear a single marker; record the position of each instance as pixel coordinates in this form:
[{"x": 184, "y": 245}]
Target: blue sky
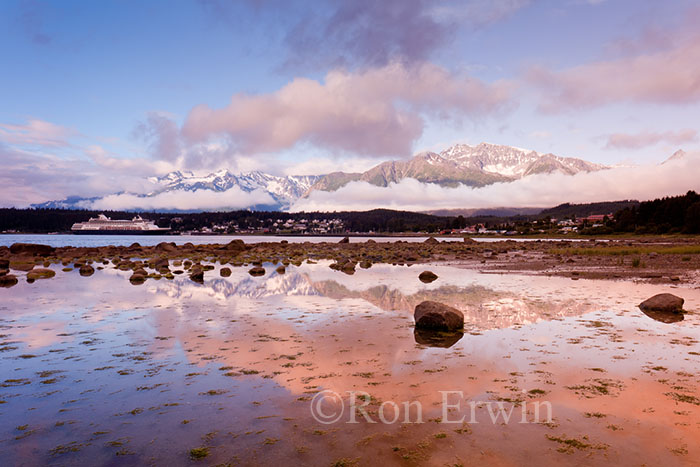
[{"x": 121, "y": 90}]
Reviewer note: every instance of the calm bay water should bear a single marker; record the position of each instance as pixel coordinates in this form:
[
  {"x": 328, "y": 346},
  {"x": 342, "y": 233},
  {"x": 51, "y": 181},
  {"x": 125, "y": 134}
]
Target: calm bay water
[
  {"x": 96, "y": 370},
  {"x": 150, "y": 240}
]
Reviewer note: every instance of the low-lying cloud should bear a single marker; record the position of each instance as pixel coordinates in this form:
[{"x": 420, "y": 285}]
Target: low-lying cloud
[
  {"x": 674, "y": 177},
  {"x": 197, "y": 200}
]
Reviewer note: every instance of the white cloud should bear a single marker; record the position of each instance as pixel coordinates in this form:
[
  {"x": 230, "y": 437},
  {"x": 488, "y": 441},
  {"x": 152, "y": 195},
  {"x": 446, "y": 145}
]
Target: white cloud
[
  {"x": 645, "y": 182},
  {"x": 198, "y": 200}
]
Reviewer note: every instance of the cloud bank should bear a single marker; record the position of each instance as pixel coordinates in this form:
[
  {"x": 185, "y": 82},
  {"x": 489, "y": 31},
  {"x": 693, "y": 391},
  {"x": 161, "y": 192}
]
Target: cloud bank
[
  {"x": 674, "y": 177},
  {"x": 198, "y": 200}
]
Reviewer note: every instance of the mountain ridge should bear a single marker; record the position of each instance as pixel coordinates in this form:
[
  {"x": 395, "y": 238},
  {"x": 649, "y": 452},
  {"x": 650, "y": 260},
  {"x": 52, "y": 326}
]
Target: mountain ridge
[{"x": 460, "y": 164}]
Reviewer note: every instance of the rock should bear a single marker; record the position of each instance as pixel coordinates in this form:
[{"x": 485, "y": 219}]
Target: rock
[
  {"x": 4, "y": 272},
  {"x": 166, "y": 247},
  {"x": 4, "y": 264},
  {"x": 432, "y": 241},
  {"x": 8, "y": 280},
  {"x": 664, "y": 302},
  {"x": 427, "y": 276},
  {"x": 22, "y": 265},
  {"x": 348, "y": 268},
  {"x": 281, "y": 269},
  {"x": 236, "y": 246},
  {"x": 197, "y": 275},
  {"x": 86, "y": 270},
  {"x": 437, "y": 316},
  {"x": 31, "y": 249},
  {"x": 345, "y": 240},
  {"x": 365, "y": 264},
  {"x": 225, "y": 272},
  {"x": 469, "y": 240},
  {"x": 40, "y": 273},
  {"x": 257, "y": 271},
  {"x": 137, "y": 278}
]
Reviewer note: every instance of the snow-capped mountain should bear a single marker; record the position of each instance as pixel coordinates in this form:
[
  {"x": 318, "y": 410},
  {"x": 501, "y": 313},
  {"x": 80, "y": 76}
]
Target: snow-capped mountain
[
  {"x": 475, "y": 166},
  {"x": 479, "y": 165},
  {"x": 284, "y": 190}
]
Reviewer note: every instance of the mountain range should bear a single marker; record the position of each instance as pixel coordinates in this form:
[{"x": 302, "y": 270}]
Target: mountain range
[{"x": 474, "y": 166}]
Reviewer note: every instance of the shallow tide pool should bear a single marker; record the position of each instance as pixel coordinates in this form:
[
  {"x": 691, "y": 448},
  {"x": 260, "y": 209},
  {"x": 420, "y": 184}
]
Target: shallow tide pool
[{"x": 243, "y": 370}]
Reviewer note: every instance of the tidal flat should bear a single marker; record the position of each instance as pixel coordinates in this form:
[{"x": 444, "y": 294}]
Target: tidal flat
[{"x": 226, "y": 368}]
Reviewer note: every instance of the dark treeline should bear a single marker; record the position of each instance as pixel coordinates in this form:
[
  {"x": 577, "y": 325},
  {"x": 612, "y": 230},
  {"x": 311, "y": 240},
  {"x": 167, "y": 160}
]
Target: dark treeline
[
  {"x": 678, "y": 214},
  {"x": 378, "y": 220}
]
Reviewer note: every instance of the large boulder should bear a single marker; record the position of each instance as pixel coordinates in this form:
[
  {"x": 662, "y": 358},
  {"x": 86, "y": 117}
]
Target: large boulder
[
  {"x": 31, "y": 249},
  {"x": 432, "y": 241},
  {"x": 438, "y": 316},
  {"x": 4, "y": 264},
  {"x": 664, "y": 302}
]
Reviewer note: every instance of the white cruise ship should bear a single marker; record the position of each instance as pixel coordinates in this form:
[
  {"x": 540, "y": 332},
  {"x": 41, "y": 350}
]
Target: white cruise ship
[{"x": 103, "y": 225}]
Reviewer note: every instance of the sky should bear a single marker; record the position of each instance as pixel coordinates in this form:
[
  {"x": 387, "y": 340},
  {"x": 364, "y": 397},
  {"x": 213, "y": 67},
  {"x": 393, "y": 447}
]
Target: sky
[{"x": 95, "y": 97}]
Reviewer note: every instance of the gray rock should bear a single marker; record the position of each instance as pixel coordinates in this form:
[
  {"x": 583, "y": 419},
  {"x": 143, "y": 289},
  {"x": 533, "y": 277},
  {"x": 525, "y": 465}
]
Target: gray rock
[{"x": 434, "y": 315}]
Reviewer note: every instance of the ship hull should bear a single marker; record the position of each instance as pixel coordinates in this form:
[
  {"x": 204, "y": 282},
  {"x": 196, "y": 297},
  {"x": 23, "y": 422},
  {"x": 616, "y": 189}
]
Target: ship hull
[{"x": 120, "y": 232}]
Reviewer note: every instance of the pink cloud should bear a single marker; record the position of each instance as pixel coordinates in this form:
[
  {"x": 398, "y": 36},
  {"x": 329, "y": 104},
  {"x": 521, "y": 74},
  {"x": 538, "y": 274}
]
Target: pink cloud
[
  {"x": 650, "y": 138},
  {"x": 375, "y": 112},
  {"x": 36, "y": 132},
  {"x": 670, "y": 76}
]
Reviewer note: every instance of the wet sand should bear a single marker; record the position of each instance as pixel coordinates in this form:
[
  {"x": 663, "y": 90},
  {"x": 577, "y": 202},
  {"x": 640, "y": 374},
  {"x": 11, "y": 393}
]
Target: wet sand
[{"x": 95, "y": 369}]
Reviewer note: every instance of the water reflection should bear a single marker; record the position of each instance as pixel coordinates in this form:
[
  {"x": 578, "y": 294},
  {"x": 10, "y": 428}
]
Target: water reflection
[
  {"x": 439, "y": 339},
  {"x": 663, "y": 316},
  {"x": 96, "y": 370}
]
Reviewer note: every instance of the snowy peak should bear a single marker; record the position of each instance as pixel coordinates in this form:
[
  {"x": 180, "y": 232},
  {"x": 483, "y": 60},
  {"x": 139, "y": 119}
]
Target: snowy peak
[{"x": 284, "y": 190}]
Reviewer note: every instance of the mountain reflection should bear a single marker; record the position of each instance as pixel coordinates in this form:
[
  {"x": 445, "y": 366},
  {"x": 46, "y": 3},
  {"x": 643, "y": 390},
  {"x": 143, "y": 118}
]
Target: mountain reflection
[{"x": 483, "y": 308}]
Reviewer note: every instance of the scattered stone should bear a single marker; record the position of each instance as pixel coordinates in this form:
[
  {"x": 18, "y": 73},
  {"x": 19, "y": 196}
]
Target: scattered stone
[
  {"x": 137, "y": 278},
  {"x": 31, "y": 249},
  {"x": 348, "y": 268},
  {"x": 197, "y": 275},
  {"x": 365, "y": 264},
  {"x": 257, "y": 271},
  {"x": 40, "y": 273},
  {"x": 281, "y": 269},
  {"x": 86, "y": 270},
  {"x": 225, "y": 272},
  {"x": 664, "y": 302},
  {"x": 427, "y": 277},
  {"x": 8, "y": 280},
  {"x": 437, "y": 316}
]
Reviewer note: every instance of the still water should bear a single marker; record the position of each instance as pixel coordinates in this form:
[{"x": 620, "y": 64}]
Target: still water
[
  {"x": 150, "y": 240},
  {"x": 96, "y": 370}
]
